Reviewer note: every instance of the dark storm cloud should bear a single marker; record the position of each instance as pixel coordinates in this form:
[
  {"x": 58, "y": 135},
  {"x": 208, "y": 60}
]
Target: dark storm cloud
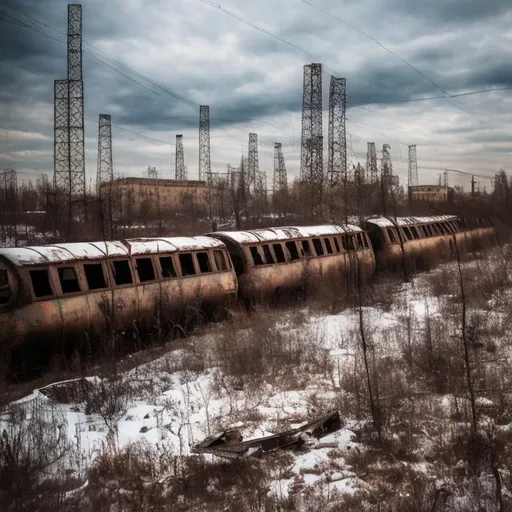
[
  {"x": 455, "y": 12},
  {"x": 244, "y": 75}
]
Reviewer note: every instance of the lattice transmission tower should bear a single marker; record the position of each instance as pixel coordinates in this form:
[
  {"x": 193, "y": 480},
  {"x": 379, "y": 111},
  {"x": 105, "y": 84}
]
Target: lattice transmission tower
[
  {"x": 412, "y": 177},
  {"x": 311, "y": 154},
  {"x": 204, "y": 143},
  {"x": 253, "y": 164},
  {"x": 337, "y": 143},
  {"x": 105, "y": 172},
  {"x": 386, "y": 166},
  {"x": 371, "y": 162},
  {"x": 280, "y": 182},
  {"x": 61, "y": 171},
  {"x": 69, "y": 177},
  {"x": 180, "y": 170}
]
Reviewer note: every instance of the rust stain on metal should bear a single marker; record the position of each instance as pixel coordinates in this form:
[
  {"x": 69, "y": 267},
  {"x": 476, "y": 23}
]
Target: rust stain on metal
[{"x": 230, "y": 444}]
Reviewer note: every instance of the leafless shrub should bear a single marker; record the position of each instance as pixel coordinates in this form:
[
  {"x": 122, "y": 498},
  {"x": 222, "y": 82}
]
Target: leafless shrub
[
  {"x": 130, "y": 480},
  {"x": 265, "y": 351},
  {"x": 237, "y": 485},
  {"x": 108, "y": 398},
  {"x": 34, "y": 459}
]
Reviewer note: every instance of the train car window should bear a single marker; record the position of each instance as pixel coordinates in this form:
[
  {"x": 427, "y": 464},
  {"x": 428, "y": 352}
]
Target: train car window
[
  {"x": 306, "y": 249},
  {"x": 336, "y": 244},
  {"x": 220, "y": 260},
  {"x": 351, "y": 242},
  {"x": 318, "y": 246},
  {"x": 392, "y": 236},
  {"x": 361, "y": 241},
  {"x": 145, "y": 269},
  {"x": 204, "y": 262},
  {"x": 41, "y": 283},
  {"x": 122, "y": 272},
  {"x": 414, "y": 232},
  {"x": 187, "y": 264},
  {"x": 68, "y": 280},
  {"x": 278, "y": 251},
  {"x": 268, "y": 255},
  {"x": 5, "y": 290},
  {"x": 167, "y": 267},
  {"x": 292, "y": 249},
  {"x": 343, "y": 240},
  {"x": 256, "y": 258},
  {"x": 442, "y": 228},
  {"x": 328, "y": 246},
  {"x": 433, "y": 229},
  {"x": 94, "y": 276}
]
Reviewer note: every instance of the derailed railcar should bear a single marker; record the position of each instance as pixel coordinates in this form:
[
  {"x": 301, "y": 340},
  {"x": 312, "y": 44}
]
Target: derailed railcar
[
  {"x": 272, "y": 263},
  {"x": 72, "y": 291},
  {"x": 419, "y": 243}
]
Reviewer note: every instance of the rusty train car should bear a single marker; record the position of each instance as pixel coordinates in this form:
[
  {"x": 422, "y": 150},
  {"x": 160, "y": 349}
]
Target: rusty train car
[
  {"x": 74, "y": 291},
  {"x": 419, "y": 243},
  {"x": 68, "y": 291},
  {"x": 270, "y": 263}
]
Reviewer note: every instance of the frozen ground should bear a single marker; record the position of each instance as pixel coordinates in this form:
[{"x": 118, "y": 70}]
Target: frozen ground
[{"x": 173, "y": 404}]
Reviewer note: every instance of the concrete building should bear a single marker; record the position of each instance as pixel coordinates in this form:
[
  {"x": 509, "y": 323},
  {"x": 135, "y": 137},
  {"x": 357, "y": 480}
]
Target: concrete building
[
  {"x": 145, "y": 197},
  {"x": 431, "y": 194}
]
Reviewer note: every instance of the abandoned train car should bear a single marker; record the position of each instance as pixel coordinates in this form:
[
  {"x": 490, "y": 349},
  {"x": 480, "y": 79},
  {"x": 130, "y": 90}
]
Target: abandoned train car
[
  {"x": 76, "y": 291},
  {"x": 419, "y": 243},
  {"x": 270, "y": 263},
  {"x": 73, "y": 290}
]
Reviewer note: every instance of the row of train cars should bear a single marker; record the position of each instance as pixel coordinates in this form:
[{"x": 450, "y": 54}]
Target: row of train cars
[{"x": 76, "y": 291}]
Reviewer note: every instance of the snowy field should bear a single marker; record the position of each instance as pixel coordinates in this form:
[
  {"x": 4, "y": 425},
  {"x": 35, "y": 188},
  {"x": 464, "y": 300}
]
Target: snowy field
[{"x": 175, "y": 401}]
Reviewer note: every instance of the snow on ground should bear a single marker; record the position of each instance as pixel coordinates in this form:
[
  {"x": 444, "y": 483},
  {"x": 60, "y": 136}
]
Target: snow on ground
[{"x": 173, "y": 409}]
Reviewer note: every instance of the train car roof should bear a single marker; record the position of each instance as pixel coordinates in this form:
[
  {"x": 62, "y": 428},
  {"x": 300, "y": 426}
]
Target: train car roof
[
  {"x": 183, "y": 243},
  {"x": 285, "y": 233},
  {"x": 59, "y": 253},
  {"x": 387, "y": 222}
]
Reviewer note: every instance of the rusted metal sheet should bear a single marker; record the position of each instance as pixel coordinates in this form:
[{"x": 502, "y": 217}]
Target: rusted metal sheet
[{"x": 230, "y": 444}]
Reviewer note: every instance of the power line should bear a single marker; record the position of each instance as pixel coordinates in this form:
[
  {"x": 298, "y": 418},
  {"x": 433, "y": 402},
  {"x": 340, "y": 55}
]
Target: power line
[
  {"x": 262, "y": 30},
  {"x": 391, "y": 52}
]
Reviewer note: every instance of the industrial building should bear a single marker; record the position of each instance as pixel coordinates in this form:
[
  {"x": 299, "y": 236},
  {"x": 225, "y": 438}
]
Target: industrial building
[
  {"x": 431, "y": 194},
  {"x": 148, "y": 196}
]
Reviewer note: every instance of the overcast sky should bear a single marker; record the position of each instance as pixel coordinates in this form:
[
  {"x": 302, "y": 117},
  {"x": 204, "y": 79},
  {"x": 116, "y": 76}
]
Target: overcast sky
[{"x": 390, "y": 51}]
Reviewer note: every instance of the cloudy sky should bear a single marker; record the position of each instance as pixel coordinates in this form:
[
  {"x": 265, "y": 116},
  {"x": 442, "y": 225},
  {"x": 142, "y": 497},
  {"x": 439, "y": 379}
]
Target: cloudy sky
[{"x": 151, "y": 63}]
